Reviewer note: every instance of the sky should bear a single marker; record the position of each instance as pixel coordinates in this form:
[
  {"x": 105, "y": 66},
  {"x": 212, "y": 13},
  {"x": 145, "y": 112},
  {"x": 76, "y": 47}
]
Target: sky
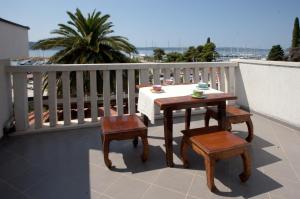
[{"x": 169, "y": 23}]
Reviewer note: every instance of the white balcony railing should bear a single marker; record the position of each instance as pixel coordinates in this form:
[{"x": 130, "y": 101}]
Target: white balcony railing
[{"x": 221, "y": 75}]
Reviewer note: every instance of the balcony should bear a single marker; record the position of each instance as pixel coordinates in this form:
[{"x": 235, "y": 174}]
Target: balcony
[{"x": 69, "y": 163}]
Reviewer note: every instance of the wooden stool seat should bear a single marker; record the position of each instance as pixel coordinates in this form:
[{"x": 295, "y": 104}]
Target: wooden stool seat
[
  {"x": 231, "y": 111},
  {"x": 214, "y": 144},
  {"x": 234, "y": 115},
  {"x": 121, "y": 124},
  {"x": 123, "y": 128}
]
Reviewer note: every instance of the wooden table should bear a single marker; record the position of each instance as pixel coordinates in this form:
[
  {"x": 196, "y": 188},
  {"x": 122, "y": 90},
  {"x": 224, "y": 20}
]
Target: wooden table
[{"x": 168, "y": 105}]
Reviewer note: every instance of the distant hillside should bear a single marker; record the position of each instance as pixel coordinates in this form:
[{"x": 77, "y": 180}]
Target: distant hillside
[{"x": 31, "y": 43}]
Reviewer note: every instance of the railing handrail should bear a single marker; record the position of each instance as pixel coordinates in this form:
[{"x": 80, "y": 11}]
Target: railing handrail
[
  {"x": 285, "y": 64},
  {"x": 114, "y": 66}
]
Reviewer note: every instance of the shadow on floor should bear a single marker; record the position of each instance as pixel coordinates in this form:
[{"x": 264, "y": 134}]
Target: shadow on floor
[{"x": 132, "y": 158}]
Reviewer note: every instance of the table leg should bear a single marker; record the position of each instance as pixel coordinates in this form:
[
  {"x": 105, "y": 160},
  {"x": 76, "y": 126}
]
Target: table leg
[
  {"x": 222, "y": 115},
  {"x": 250, "y": 130},
  {"x": 145, "y": 120},
  {"x": 168, "y": 131},
  {"x": 187, "y": 118}
]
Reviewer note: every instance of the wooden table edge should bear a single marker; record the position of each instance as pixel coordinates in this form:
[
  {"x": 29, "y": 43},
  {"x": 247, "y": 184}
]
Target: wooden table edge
[{"x": 181, "y": 101}]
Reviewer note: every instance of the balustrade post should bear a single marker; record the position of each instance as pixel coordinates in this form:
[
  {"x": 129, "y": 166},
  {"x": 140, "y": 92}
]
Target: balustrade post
[
  {"x": 106, "y": 92},
  {"x": 38, "y": 99},
  {"x": 119, "y": 92},
  {"x": 20, "y": 100}
]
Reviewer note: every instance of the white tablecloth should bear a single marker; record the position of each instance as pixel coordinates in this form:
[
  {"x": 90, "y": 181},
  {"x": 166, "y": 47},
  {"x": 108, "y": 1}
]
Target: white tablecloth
[{"x": 146, "y": 98}]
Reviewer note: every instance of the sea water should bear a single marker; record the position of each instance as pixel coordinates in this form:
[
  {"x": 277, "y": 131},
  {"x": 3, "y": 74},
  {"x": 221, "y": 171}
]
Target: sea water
[{"x": 148, "y": 51}]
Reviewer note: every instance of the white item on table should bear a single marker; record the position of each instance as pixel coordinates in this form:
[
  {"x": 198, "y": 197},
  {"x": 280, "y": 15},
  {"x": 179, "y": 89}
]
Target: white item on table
[{"x": 146, "y": 98}]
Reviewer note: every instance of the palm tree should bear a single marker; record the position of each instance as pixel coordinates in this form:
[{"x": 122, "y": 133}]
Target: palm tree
[{"x": 87, "y": 40}]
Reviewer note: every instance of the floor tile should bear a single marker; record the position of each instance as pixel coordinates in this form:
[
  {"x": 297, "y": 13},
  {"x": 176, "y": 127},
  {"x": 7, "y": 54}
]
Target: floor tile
[
  {"x": 281, "y": 169},
  {"x": 96, "y": 195},
  {"x": 192, "y": 197},
  {"x": 13, "y": 167},
  {"x": 6, "y": 155},
  {"x": 199, "y": 188},
  {"x": 174, "y": 179},
  {"x": 127, "y": 187},
  {"x": 99, "y": 179},
  {"x": 59, "y": 188},
  {"x": 158, "y": 192},
  {"x": 288, "y": 189},
  {"x": 7, "y": 192},
  {"x": 96, "y": 157},
  {"x": 144, "y": 174},
  {"x": 29, "y": 178}
]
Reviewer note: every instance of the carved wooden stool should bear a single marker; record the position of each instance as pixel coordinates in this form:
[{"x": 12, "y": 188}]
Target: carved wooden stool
[
  {"x": 123, "y": 128},
  {"x": 234, "y": 115},
  {"x": 213, "y": 144}
]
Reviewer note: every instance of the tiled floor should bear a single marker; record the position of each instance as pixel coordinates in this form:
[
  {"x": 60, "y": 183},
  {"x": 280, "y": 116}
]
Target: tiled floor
[{"x": 69, "y": 165}]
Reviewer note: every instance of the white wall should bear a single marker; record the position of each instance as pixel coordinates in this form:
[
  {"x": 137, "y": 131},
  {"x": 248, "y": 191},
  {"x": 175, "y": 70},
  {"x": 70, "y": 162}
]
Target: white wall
[
  {"x": 13, "y": 41},
  {"x": 13, "y": 44},
  {"x": 270, "y": 88},
  {"x": 5, "y": 98}
]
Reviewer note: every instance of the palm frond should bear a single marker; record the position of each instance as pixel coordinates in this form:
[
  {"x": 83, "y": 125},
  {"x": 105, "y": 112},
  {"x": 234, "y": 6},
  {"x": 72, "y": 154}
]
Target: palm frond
[{"x": 87, "y": 40}]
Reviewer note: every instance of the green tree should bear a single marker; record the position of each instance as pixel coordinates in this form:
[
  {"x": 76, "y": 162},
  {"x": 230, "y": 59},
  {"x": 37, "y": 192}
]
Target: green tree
[
  {"x": 190, "y": 54},
  {"x": 87, "y": 40},
  {"x": 206, "y": 53},
  {"x": 158, "y": 54},
  {"x": 294, "y": 54},
  {"x": 294, "y": 51},
  {"x": 175, "y": 57},
  {"x": 276, "y": 53},
  {"x": 209, "y": 52},
  {"x": 199, "y": 48},
  {"x": 296, "y": 34},
  {"x": 199, "y": 53},
  {"x": 208, "y": 40}
]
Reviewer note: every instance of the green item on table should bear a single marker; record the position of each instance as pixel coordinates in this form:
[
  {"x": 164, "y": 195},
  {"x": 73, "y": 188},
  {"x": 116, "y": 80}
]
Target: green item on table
[
  {"x": 202, "y": 85},
  {"x": 197, "y": 93}
]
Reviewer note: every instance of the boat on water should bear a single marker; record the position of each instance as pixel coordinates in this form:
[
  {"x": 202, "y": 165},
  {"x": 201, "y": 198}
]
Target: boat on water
[{"x": 25, "y": 62}]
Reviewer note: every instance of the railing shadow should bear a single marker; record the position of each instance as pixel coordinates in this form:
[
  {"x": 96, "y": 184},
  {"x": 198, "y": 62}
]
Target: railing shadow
[{"x": 49, "y": 165}]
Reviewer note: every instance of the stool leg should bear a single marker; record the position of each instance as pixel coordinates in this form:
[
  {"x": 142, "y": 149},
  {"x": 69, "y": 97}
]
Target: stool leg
[
  {"x": 228, "y": 125},
  {"x": 187, "y": 118},
  {"x": 250, "y": 130},
  {"x": 145, "y": 148},
  {"x": 210, "y": 172},
  {"x": 207, "y": 118},
  {"x": 183, "y": 152},
  {"x": 145, "y": 120},
  {"x": 102, "y": 139},
  {"x": 247, "y": 166},
  {"x": 135, "y": 142},
  {"x": 106, "y": 143}
]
